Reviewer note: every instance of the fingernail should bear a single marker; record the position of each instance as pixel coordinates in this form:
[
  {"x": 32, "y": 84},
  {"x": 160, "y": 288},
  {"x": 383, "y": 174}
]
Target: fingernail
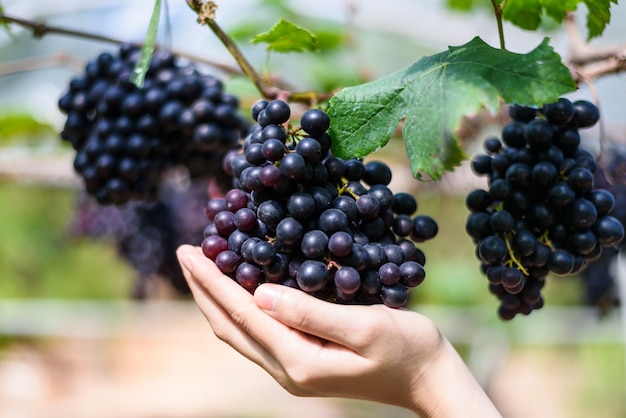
[{"x": 266, "y": 296}]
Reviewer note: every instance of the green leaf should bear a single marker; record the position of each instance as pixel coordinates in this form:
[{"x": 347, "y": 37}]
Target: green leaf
[
  {"x": 141, "y": 68},
  {"x": 460, "y": 4},
  {"x": 434, "y": 94},
  {"x": 287, "y": 37},
  {"x": 599, "y": 16},
  {"x": 523, "y": 13},
  {"x": 22, "y": 127},
  {"x": 3, "y": 23},
  {"x": 528, "y": 14},
  {"x": 557, "y": 9}
]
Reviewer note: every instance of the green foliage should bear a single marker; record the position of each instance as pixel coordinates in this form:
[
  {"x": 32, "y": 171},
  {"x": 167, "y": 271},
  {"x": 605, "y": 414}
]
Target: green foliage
[
  {"x": 460, "y": 4},
  {"x": 329, "y": 35},
  {"x": 139, "y": 72},
  {"x": 599, "y": 16},
  {"x": 4, "y": 24},
  {"x": 37, "y": 259},
  {"x": 528, "y": 14},
  {"x": 287, "y": 37},
  {"x": 434, "y": 94},
  {"x": 23, "y": 128}
]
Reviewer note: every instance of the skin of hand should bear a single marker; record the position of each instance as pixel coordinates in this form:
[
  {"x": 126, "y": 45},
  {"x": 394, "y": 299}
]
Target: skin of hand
[{"x": 316, "y": 348}]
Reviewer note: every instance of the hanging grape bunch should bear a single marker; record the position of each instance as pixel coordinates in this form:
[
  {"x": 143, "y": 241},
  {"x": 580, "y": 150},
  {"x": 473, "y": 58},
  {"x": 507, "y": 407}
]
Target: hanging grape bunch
[
  {"x": 147, "y": 234},
  {"x": 541, "y": 212},
  {"x": 306, "y": 219},
  {"x": 125, "y": 137},
  {"x": 599, "y": 280}
]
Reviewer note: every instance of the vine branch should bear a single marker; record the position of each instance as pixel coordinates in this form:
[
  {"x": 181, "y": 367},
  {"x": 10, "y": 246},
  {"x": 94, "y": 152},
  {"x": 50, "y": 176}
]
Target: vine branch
[
  {"x": 497, "y": 10},
  {"x": 588, "y": 63},
  {"x": 206, "y": 16},
  {"x": 40, "y": 29}
]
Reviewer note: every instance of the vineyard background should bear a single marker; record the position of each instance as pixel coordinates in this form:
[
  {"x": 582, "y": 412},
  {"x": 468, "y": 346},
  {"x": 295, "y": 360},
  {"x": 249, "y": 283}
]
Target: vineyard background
[{"x": 73, "y": 342}]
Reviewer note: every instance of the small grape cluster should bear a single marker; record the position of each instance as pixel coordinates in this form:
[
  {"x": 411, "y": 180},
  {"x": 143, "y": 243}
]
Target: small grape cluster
[
  {"x": 125, "y": 137},
  {"x": 599, "y": 279},
  {"x": 146, "y": 235},
  {"x": 301, "y": 217},
  {"x": 541, "y": 212}
]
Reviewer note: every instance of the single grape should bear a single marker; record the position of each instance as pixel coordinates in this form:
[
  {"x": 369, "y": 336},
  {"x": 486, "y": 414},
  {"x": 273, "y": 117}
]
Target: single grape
[
  {"x": 315, "y": 122},
  {"x": 312, "y": 276},
  {"x": 347, "y": 280},
  {"x": 394, "y": 296}
]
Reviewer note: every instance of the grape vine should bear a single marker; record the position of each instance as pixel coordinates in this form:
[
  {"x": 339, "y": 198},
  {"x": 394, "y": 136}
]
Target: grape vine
[{"x": 301, "y": 206}]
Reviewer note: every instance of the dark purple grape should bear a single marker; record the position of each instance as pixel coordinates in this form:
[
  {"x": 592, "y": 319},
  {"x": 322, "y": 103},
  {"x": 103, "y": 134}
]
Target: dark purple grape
[
  {"x": 586, "y": 114},
  {"x": 312, "y": 276},
  {"x": 522, "y": 113},
  {"x": 213, "y": 245},
  {"x": 561, "y": 262},
  {"x": 424, "y": 228},
  {"x": 245, "y": 219},
  {"x": 310, "y": 149},
  {"x": 492, "y": 250},
  {"x": 340, "y": 244},
  {"x": 227, "y": 261},
  {"x": 333, "y": 220},
  {"x": 394, "y": 296},
  {"x": 277, "y": 112},
  {"x": 263, "y": 253},
  {"x": 609, "y": 231},
  {"x": 248, "y": 275},
  {"x": 213, "y": 207},
  {"x": 289, "y": 231},
  {"x": 377, "y": 172},
  {"x": 315, "y": 122},
  {"x": 501, "y": 221},
  {"x": 314, "y": 244},
  {"x": 347, "y": 280},
  {"x": 559, "y": 112},
  {"x": 412, "y": 274}
]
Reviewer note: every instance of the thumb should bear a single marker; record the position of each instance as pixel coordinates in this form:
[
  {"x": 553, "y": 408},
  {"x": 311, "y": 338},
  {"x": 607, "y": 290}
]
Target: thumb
[{"x": 301, "y": 311}]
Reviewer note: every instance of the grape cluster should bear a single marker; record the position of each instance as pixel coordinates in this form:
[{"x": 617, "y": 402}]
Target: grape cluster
[
  {"x": 125, "y": 137},
  {"x": 541, "y": 212},
  {"x": 600, "y": 289},
  {"x": 147, "y": 234},
  {"x": 301, "y": 217}
]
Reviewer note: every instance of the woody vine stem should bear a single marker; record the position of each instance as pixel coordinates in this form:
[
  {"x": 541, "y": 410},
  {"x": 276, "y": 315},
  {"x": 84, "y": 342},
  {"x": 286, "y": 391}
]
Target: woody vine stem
[{"x": 585, "y": 63}]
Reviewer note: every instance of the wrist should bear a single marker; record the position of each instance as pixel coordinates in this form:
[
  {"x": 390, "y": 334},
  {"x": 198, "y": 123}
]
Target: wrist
[{"x": 447, "y": 388}]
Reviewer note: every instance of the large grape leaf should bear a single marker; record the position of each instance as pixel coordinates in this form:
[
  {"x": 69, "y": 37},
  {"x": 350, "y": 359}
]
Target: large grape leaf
[
  {"x": 432, "y": 96},
  {"x": 527, "y": 14}
]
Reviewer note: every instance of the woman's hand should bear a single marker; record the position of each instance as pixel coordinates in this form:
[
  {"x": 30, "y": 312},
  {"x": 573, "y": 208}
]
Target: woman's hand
[{"x": 315, "y": 348}]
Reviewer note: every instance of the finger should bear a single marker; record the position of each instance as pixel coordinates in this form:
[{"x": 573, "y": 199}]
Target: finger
[
  {"x": 239, "y": 305},
  {"x": 346, "y": 325},
  {"x": 225, "y": 328}
]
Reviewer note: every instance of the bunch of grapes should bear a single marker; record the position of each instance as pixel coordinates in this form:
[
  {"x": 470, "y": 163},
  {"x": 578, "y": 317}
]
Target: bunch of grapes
[
  {"x": 541, "y": 212},
  {"x": 301, "y": 217},
  {"x": 125, "y": 137},
  {"x": 599, "y": 278},
  {"x": 147, "y": 234}
]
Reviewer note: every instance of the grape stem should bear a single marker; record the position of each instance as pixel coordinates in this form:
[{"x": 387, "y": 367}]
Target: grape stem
[
  {"x": 497, "y": 10},
  {"x": 206, "y": 16},
  {"x": 512, "y": 258}
]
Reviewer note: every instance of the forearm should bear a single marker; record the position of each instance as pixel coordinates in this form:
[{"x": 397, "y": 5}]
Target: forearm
[{"x": 447, "y": 388}]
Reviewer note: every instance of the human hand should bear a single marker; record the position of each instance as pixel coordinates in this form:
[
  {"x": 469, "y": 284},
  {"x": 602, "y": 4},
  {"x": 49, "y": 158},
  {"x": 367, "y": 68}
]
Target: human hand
[{"x": 315, "y": 348}]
